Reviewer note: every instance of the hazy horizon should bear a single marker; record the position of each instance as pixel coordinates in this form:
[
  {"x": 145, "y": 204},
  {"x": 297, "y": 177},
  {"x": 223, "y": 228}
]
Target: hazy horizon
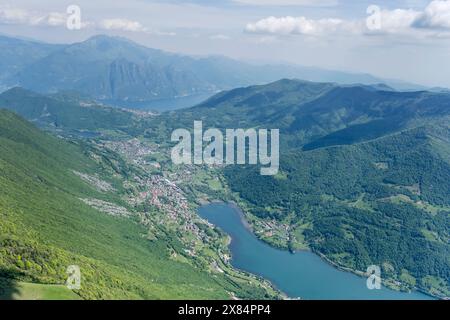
[{"x": 411, "y": 43}]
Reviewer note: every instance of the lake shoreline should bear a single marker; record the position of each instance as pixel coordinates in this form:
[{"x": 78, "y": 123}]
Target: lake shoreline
[
  {"x": 359, "y": 273},
  {"x": 233, "y": 205}
]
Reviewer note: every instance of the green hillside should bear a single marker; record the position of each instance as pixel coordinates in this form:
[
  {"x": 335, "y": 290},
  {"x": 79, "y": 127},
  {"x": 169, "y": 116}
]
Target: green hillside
[
  {"x": 312, "y": 115},
  {"x": 364, "y": 177},
  {"x": 44, "y": 227},
  {"x": 384, "y": 202},
  {"x": 118, "y": 70},
  {"x": 64, "y": 111}
]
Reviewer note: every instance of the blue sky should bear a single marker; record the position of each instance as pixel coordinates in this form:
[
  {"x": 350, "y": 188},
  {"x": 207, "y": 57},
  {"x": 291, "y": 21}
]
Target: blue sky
[{"x": 412, "y": 41}]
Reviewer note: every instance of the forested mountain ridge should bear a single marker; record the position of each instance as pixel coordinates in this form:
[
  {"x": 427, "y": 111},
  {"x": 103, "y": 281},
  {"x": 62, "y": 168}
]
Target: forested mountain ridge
[
  {"x": 68, "y": 112},
  {"x": 312, "y": 115}
]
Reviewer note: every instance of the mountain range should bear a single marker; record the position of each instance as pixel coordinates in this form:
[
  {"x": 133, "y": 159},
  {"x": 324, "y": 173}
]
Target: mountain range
[
  {"x": 311, "y": 114},
  {"x": 121, "y": 72}
]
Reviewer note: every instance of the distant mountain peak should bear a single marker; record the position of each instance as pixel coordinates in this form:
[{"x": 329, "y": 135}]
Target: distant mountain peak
[
  {"x": 125, "y": 73},
  {"x": 20, "y": 91},
  {"x": 107, "y": 39}
]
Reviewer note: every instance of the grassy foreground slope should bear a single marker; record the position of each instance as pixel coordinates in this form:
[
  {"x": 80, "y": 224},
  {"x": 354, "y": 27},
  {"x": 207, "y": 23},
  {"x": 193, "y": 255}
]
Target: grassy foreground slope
[
  {"x": 44, "y": 227},
  {"x": 33, "y": 291}
]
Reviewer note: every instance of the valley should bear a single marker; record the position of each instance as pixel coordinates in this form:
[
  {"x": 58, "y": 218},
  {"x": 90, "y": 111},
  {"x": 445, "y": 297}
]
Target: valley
[
  {"x": 144, "y": 219},
  {"x": 353, "y": 202}
]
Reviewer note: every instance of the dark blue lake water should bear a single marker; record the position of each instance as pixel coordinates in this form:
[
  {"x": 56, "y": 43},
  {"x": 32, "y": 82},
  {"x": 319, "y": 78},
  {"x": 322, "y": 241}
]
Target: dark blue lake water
[{"x": 302, "y": 274}]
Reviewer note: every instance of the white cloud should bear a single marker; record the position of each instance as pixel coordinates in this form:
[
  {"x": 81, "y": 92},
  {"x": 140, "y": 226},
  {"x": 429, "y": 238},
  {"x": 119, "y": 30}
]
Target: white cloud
[
  {"x": 399, "y": 21},
  {"x": 13, "y": 16},
  {"x": 288, "y": 2},
  {"x": 163, "y": 33},
  {"x": 300, "y": 25},
  {"x": 436, "y": 15},
  {"x": 18, "y": 16},
  {"x": 53, "y": 19},
  {"x": 122, "y": 24},
  {"x": 219, "y": 37}
]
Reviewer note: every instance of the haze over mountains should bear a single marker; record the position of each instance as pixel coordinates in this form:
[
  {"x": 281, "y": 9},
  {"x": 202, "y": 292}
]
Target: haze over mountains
[
  {"x": 68, "y": 111},
  {"x": 312, "y": 115},
  {"x": 17, "y": 53},
  {"x": 124, "y": 73}
]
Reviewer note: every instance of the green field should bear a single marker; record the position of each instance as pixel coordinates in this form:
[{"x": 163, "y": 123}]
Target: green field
[{"x": 34, "y": 291}]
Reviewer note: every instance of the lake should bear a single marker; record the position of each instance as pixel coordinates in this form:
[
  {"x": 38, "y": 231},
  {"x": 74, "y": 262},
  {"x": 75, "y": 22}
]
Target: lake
[{"x": 303, "y": 274}]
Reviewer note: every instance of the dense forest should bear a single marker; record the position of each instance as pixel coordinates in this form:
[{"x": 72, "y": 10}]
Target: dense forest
[{"x": 383, "y": 202}]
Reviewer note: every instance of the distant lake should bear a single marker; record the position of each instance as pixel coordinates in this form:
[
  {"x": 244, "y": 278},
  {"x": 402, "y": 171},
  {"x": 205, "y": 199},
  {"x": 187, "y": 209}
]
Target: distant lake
[
  {"x": 303, "y": 274},
  {"x": 161, "y": 105}
]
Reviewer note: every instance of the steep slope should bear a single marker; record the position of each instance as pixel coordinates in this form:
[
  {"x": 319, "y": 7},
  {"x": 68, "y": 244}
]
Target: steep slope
[
  {"x": 64, "y": 111},
  {"x": 45, "y": 227}
]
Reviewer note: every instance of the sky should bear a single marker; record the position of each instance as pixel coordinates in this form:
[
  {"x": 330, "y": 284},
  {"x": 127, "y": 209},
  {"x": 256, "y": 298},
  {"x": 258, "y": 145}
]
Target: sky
[{"x": 401, "y": 39}]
